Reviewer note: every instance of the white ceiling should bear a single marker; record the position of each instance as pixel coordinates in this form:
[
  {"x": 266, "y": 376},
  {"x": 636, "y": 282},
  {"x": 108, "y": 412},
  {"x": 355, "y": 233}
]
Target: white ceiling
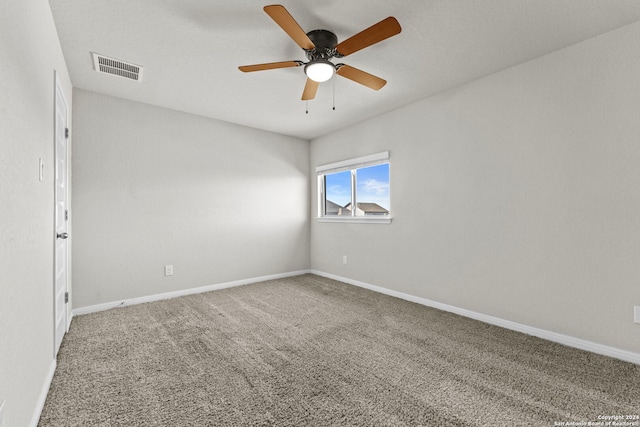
[{"x": 190, "y": 50}]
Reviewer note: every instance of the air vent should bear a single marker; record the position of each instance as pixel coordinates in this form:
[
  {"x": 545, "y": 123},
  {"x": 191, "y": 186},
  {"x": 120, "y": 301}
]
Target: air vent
[{"x": 104, "y": 64}]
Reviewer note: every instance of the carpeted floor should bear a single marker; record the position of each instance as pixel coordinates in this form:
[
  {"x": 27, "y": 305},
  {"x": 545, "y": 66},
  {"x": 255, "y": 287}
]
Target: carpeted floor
[{"x": 312, "y": 351}]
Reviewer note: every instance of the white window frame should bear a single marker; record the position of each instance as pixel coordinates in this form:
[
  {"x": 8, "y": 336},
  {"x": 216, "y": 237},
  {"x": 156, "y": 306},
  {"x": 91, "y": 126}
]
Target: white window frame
[{"x": 350, "y": 165}]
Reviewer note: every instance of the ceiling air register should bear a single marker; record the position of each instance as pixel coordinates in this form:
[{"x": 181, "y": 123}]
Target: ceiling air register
[{"x": 116, "y": 67}]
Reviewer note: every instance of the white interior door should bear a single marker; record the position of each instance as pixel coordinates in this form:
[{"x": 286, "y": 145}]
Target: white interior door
[{"x": 61, "y": 218}]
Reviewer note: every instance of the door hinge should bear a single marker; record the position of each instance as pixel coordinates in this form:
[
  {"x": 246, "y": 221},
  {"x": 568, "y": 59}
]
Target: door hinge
[
  {"x": 66, "y": 297},
  {"x": 66, "y": 215},
  {"x": 66, "y": 133}
]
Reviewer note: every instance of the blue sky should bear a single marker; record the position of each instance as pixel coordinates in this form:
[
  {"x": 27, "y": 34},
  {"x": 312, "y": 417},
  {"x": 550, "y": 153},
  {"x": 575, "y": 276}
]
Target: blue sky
[{"x": 372, "y": 186}]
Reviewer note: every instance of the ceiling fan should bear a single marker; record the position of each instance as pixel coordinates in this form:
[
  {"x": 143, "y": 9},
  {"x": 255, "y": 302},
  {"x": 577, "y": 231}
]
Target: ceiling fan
[{"x": 322, "y": 45}]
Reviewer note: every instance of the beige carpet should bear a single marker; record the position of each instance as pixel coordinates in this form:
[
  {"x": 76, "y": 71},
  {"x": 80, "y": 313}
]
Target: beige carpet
[{"x": 312, "y": 351}]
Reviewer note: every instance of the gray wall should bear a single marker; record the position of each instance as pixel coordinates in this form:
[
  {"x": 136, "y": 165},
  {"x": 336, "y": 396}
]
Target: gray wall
[
  {"x": 515, "y": 196},
  {"x": 29, "y": 54},
  {"x": 154, "y": 187}
]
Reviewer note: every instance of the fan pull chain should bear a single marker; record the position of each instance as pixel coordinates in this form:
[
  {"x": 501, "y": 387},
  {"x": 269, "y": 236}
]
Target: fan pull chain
[
  {"x": 334, "y": 93},
  {"x": 307, "y": 107}
]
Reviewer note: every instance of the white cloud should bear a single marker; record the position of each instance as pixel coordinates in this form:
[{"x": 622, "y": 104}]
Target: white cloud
[
  {"x": 374, "y": 187},
  {"x": 338, "y": 190}
]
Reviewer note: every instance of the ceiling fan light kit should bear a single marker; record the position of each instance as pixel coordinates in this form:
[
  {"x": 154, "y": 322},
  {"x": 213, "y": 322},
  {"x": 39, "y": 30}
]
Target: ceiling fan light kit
[
  {"x": 320, "y": 46},
  {"x": 320, "y": 70}
]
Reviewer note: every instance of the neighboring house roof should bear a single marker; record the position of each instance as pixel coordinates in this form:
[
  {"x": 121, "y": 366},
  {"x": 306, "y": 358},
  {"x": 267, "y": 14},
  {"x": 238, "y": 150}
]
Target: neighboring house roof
[
  {"x": 369, "y": 207},
  {"x": 372, "y": 207},
  {"x": 330, "y": 207}
]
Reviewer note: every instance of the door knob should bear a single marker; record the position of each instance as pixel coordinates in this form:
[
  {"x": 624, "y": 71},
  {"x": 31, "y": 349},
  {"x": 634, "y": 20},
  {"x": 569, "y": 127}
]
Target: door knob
[{"x": 62, "y": 235}]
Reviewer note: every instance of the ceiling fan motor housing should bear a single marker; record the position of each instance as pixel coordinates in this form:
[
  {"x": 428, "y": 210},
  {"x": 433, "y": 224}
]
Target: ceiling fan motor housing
[{"x": 325, "y": 45}]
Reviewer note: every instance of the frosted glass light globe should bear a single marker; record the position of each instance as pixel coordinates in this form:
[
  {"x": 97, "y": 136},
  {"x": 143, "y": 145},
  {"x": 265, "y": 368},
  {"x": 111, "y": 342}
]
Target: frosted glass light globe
[{"x": 320, "y": 70}]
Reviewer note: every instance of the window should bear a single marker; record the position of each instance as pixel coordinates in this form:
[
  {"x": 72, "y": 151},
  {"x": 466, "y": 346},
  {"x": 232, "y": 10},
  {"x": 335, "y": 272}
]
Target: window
[
  {"x": 338, "y": 193},
  {"x": 355, "y": 190}
]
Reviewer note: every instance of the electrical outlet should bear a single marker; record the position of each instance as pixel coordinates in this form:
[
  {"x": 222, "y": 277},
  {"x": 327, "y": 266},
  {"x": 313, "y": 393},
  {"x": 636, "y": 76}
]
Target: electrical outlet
[
  {"x": 168, "y": 270},
  {"x": 344, "y": 259},
  {"x": 636, "y": 313}
]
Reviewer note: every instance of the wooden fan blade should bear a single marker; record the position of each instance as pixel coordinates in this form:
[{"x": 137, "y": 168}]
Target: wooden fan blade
[
  {"x": 376, "y": 33},
  {"x": 284, "y": 19},
  {"x": 310, "y": 89},
  {"x": 269, "y": 66},
  {"x": 359, "y": 76}
]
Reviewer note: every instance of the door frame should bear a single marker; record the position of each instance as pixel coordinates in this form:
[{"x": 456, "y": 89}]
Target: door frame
[{"x": 59, "y": 94}]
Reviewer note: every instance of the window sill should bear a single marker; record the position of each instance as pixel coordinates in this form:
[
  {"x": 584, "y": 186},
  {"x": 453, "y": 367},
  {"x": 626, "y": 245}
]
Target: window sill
[{"x": 356, "y": 220}]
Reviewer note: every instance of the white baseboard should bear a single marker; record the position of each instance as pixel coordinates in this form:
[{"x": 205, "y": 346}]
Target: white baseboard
[
  {"x": 43, "y": 394},
  {"x": 579, "y": 343},
  {"x": 175, "y": 294}
]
